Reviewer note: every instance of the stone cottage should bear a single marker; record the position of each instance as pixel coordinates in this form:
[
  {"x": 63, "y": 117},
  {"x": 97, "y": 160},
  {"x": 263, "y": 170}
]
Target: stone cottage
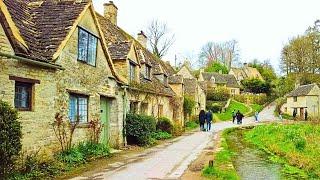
[
  {"x": 245, "y": 72},
  {"x": 149, "y": 89},
  {"x": 193, "y": 88},
  {"x": 54, "y": 59},
  {"x": 215, "y": 80},
  {"x": 303, "y": 99}
]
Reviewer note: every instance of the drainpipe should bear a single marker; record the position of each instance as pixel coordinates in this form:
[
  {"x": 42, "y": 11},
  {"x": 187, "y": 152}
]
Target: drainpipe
[
  {"x": 31, "y": 61},
  {"x": 124, "y": 133}
]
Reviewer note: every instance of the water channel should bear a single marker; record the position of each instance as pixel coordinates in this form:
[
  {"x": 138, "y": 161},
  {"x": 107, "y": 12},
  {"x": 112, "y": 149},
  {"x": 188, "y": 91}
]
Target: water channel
[{"x": 251, "y": 164}]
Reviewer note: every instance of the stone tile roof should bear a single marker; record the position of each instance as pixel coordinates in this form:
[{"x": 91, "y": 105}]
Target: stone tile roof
[
  {"x": 114, "y": 34},
  {"x": 43, "y": 25},
  {"x": 227, "y": 79},
  {"x": 190, "y": 86},
  {"x": 302, "y": 90},
  {"x": 119, "y": 50},
  {"x": 175, "y": 79}
]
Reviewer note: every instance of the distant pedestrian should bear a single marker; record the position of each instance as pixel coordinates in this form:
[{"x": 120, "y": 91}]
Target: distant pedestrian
[
  {"x": 202, "y": 119},
  {"x": 233, "y": 116},
  {"x": 239, "y": 117},
  {"x": 294, "y": 113},
  {"x": 280, "y": 115},
  {"x": 306, "y": 115},
  {"x": 256, "y": 116},
  {"x": 209, "y": 118}
]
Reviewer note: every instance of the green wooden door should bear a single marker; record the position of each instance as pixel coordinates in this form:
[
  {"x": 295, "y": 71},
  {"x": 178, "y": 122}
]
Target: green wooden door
[{"x": 104, "y": 117}]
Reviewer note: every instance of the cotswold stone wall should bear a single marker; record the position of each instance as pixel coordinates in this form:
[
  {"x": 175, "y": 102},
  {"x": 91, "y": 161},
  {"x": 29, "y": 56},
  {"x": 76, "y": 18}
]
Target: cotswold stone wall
[{"x": 52, "y": 94}]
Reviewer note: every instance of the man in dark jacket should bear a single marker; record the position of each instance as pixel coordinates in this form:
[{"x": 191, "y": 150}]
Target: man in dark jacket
[
  {"x": 239, "y": 117},
  {"x": 202, "y": 119},
  {"x": 209, "y": 118}
]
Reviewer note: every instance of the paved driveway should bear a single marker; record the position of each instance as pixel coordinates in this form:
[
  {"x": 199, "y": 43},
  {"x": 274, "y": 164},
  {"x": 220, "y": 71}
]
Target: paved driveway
[{"x": 169, "y": 161}]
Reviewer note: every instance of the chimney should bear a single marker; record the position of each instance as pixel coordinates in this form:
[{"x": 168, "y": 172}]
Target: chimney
[
  {"x": 245, "y": 65},
  {"x": 142, "y": 39},
  {"x": 111, "y": 12}
]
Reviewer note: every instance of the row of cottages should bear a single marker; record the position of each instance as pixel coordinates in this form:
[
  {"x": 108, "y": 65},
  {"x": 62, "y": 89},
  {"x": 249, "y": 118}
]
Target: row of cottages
[
  {"x": 303, "y": 99},
  {"x": 55, "y": 57},
  {"x": 216, "y": 80},
  {"x": 245, "y": 72},
  {"x": 193, "y": 88}
]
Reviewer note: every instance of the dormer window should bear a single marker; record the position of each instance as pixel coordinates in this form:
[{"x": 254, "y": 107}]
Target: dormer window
[
  {"x": 132, "y": 72},
  {"x": 87, "y": 47},
  {"x": 147, "y": 72}
]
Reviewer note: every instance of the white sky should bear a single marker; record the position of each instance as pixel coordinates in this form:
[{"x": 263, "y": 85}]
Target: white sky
[{"x": 261, "y": 27}]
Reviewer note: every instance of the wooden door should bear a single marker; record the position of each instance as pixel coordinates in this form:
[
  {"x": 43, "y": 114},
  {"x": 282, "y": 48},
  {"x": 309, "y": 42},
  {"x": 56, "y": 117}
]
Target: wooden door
[{"x": 104, "y": 118}]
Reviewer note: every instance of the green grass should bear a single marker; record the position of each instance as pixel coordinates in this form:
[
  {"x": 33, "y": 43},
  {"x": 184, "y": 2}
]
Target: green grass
[
  {"x": 190, "y": 125},
  {"x": 234, "y": 105},
  {"x": 256, "y": 107},
  {"x": 222, "y": 167},
  {"x": 296, "y": 146}
]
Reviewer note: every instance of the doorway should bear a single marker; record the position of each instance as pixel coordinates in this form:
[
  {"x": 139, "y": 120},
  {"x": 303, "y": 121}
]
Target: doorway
[
  {"x": 104, "y": 118},
  {"x": 301, "y": 112}
]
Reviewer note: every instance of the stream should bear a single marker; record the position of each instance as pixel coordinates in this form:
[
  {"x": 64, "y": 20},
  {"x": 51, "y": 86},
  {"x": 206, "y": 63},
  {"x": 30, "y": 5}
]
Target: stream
[{"x": 251, "y": 164}]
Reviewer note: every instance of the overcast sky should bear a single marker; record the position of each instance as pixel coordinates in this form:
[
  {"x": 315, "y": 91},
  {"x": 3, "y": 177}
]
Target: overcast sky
[{"x": 261, "y": 27}]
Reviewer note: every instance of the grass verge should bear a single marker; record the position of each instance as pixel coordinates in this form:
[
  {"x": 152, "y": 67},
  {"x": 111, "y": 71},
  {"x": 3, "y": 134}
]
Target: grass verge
[
  {"x": 222, "y": 167},
  {"x": 295, "y": 146},
  {"x": 234, "y": 105}
]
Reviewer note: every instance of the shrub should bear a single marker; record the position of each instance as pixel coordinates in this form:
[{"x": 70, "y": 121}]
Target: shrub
[
  {"x": 164, "y": 124},
  {"x": 191, "y": 125},
  {"x": 218, "y": 94},
  {"x": 188, "y": 105},
  {"x": 160, "y": 135},
  {"x": 177, "y": 129},
  {"x": 214, "y": 107},
  {"x": 139, "y": 128},
  {"x": 93, "y": 150},
  {"x": 10, "y": 138},
  {"x": 72, "y": 156}
]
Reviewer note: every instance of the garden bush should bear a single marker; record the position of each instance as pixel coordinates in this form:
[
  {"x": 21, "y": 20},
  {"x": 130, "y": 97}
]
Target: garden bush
[
  {"x": 10, "y": 138},
  {"x": 177, "y": 129},
  {"x": 164, "y": 124},
  {"x": 161, "y": 135},
  {"x": 188, "y": 105},
  {"x": 139, "y": 129},
  {"x": 218, "y": 94},
  {"x": 214, "y": 106}
]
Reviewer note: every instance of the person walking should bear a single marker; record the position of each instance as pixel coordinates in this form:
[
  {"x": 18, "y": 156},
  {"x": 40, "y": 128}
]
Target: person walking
[
  {"x": 256, "y": 116},
  {"x": 209, "y": 118},
  {"x": 306, "y": 115},
  {"x": 233, "y": 116},
  {"x": 280, "y": 115},
  {"x": 294, "y": 113},
  {"x": 239, "y": 117},
  {"x": 202, "y": 119}
]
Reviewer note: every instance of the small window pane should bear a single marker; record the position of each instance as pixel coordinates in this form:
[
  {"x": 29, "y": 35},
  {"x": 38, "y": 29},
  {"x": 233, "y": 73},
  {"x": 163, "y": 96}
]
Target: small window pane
[
  {"x": 78, "y": 107},
  {"x": 83, "y": 45},
  {"x": 83, "y": 109},
  {"x": 22, "y": 96},
  {"x": 73, "y": 108},
  {"x": 92, "y": 50}
]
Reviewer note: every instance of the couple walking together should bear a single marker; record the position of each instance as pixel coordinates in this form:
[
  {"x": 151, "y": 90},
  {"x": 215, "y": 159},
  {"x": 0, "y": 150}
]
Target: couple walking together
[{"x": 205, "y": 117}]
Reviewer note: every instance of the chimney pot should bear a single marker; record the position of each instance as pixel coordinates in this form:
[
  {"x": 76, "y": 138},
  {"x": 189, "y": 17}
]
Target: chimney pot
[
  {"x": 142, "y": 39},
  {"x": 111, "y": 12}
]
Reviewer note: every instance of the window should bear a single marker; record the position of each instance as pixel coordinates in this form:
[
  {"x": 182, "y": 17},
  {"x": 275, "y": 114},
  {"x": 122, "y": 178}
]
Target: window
[
  {"x": 132, "y": 72},
  {"x": 295, "y": 99},
  {"x": 87, "y": 47},
  {"x": 23, "y": 96},
  {"x": 233, "y": 91},
  {"x": 144, "y": 108},
  {"x": 133, "y": 107},
  {"x": 148, "y": 72},
  {"x": 78, "y": 108}
]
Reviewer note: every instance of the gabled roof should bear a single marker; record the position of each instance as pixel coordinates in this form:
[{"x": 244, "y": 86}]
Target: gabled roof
[
  {"x": 175, "y": 79},
  {"x": 302, "y": 90},
  {"x": 218, "y": 78},
  {"x": 43, "y": 25},
  {"x": 190, "y": 86}
]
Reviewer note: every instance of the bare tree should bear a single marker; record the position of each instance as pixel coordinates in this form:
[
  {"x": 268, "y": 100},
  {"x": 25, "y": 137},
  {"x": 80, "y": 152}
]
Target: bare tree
[
  {"x": 226, "y": 53},
  {"x": 159, "y": 37}
]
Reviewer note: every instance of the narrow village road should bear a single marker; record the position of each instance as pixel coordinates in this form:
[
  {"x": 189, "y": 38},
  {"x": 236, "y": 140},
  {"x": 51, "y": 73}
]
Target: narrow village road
[{"x": 169, "y": 162}]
